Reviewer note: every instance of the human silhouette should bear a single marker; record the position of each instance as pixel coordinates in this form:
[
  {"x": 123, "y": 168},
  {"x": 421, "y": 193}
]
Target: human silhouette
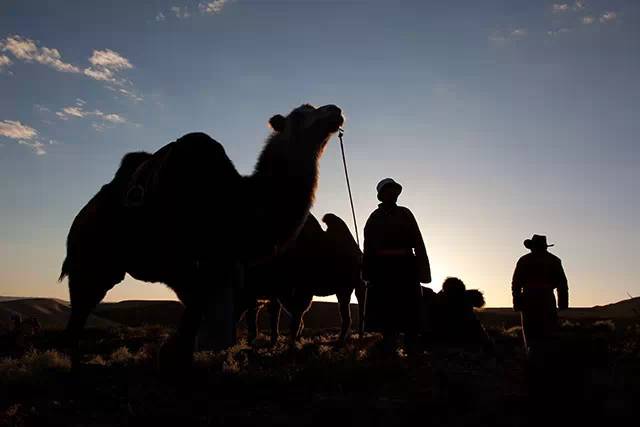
[
  {"x": 395, "y": 262},
  {"x": 536, "y": 276}
]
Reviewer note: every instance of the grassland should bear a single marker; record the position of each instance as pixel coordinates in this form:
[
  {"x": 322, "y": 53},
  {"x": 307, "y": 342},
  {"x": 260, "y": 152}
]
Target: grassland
[{"x": 593, "y": 376}]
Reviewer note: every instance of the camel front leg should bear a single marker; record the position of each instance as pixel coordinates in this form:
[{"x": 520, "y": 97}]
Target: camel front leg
[
  {"x": 219, "y": 290},
  {"x": 177, "y": 352},
  {"x": 299, "y": 307}
]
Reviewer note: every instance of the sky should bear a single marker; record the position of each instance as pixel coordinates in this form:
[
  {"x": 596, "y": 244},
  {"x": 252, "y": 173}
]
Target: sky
[{"x": 500, "y": 118}]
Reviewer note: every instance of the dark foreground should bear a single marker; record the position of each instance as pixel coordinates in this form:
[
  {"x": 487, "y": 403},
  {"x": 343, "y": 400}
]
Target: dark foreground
[{"x": 595, "y": 379}]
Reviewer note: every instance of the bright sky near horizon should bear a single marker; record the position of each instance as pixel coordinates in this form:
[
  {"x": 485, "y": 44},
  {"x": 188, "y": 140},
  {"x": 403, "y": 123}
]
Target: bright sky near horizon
[{"x": 500, "y": 118}]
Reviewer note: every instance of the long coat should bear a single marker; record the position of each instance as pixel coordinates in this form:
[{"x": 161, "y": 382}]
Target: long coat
[
  {"x": 535, "y": 278},
  {"x": 395, "y": 262}
]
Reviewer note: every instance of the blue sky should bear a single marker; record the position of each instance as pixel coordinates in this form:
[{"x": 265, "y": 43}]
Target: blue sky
[{"x": 500, "y": 118}]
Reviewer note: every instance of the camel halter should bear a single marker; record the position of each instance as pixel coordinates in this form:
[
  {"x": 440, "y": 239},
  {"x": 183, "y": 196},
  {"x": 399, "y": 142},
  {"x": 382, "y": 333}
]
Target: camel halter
[{"x": 346, "y": 174}]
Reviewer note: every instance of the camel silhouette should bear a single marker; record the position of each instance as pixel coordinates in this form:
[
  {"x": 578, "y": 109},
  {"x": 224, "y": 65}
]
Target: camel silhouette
[
  {"x": 450, "y": 318},
  {"x": 317, "y": 263},
  {"x": 185, "y": 217}
]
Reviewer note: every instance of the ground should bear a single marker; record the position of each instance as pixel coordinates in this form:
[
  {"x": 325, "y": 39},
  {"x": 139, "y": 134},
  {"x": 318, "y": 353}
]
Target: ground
[{"x": 321, "y": 383}]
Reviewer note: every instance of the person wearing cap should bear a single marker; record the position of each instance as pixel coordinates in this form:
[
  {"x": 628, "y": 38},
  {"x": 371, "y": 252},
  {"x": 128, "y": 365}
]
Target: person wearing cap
[
  {"x": 395, "y": 262},
  {"x": 535, "y": 278}
]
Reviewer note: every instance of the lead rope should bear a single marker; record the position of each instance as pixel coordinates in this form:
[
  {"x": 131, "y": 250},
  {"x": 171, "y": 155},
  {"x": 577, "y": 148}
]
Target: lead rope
[
  {"x": 363, "y": 313},
  {"x": 346, "y": 174}
]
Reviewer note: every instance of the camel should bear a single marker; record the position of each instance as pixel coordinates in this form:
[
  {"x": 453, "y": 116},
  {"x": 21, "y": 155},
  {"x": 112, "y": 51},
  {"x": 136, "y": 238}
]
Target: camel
[
  {"x": 185, "y": 217},
  {"x": 318, "y": 263},
  {"x": 450, "y": 318}
]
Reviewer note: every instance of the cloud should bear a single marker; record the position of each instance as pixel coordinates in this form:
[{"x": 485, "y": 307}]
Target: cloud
[
  {"x": 588, "y": 20},
  {"x": 579, "y": 5},
  {"x": 180, "y": 12},
  {"x": 110, "y": 60},
  {"x": 503, "y": 38},
  {"x": 127, "y": 92},
  {"x": 5, "y": 61},
  {"x": 212, "y": 7},
  {"x": 36, "y": 146},
  {"x": 114, "y": 118},
  {"x": 608, "y": 17},
  {"x": 23, "y": 134},
  {"x": 29, "y": 51},
  {"x": 553, "y": 33},
  {"x": 77, "y": 112},
  {"x": 106, "y": 64},
  {"x": 160, "y": 17},
  {"x": 16, "y": 130},
  {"x": 560, "y": 7}
]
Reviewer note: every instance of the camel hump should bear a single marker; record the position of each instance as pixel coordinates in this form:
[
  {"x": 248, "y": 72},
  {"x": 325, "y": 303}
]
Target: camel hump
[
  {"x": 338, "y": 232},
  {"x": 197, "y": 141}
]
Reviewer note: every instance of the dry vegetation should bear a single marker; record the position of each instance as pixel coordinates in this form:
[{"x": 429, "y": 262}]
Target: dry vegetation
[{"x": 597, "y": 377}]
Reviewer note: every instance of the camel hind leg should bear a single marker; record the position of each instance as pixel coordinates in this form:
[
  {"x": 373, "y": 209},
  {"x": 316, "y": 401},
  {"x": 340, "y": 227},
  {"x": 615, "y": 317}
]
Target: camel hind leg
[
  {"x": 344, "y": 302},
  {"x": 84, "y": 294},
  {"x": 361, "y": 296},
  {"x": 275, "y": 308}
]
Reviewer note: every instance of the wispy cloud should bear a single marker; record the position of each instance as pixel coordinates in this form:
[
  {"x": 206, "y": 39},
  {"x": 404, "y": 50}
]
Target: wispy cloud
[
  {"x": 608, "y": 17},
  {"x": 28, "y": 50},
  {"x": 560, "y": 7},
  {"x": 35, "y": 145},
  {"x": 553, "y": 33},
  {"x": 588, "y": 20},
  {"x": 105, "y": 65},
  {"x": 579, "y": 5},
  {"x": 502, "y": 38},
  {"x": 77, "y": 111},
  {"x": 22, "y": 134},
  {"x": 180, "y": 12},
  {"x": 212, "y": 7},
  {"x": 5, "y": 61},
  {"x": 129, "y": 93}
]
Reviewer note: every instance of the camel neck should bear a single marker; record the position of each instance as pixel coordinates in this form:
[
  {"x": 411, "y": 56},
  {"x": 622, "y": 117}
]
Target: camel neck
[{"x": 284, "y": 184}]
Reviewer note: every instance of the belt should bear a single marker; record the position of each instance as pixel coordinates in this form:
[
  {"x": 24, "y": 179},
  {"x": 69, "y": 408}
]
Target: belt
[{"x": 395, "y": 252}]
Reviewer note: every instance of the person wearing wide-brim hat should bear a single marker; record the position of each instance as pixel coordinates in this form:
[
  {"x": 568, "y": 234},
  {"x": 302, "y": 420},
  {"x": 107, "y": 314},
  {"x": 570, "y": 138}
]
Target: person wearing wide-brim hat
[
  {"x": 395, "y": 262},
  {"x": 535, "y": 278}
]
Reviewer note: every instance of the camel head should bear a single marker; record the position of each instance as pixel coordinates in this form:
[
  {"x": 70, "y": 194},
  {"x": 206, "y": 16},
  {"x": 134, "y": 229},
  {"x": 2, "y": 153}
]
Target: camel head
[{"x": 308, "y": 125}]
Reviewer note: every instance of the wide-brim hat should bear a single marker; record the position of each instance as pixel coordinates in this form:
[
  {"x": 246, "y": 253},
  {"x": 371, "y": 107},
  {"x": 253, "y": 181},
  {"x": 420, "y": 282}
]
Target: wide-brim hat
[
  {"x": 536, "y": 241},
  {"x": 388, "y": 182}
]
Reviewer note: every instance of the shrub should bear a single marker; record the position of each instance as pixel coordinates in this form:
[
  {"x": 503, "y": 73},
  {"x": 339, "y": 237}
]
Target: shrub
[{"x": 32, "y": 366}]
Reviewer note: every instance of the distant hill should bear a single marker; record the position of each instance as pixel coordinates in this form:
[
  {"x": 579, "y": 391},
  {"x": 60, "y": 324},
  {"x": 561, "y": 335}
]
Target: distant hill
[
  {"x": 138, "y": 313},
  {"x": 53, "y": 313}
]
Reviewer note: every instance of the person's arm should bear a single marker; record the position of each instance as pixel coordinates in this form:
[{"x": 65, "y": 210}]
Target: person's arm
[
  {"x": 562, "y": 288},
  {"x": 517, "y": 285},
  {"x": 423, "y": 267}
]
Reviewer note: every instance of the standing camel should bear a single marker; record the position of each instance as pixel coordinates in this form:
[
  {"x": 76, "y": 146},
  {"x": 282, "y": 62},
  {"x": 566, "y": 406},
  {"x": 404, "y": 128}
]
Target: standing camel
[
  {"x": 317, "y": 263},
  {"x": 185, "y": 217}
]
